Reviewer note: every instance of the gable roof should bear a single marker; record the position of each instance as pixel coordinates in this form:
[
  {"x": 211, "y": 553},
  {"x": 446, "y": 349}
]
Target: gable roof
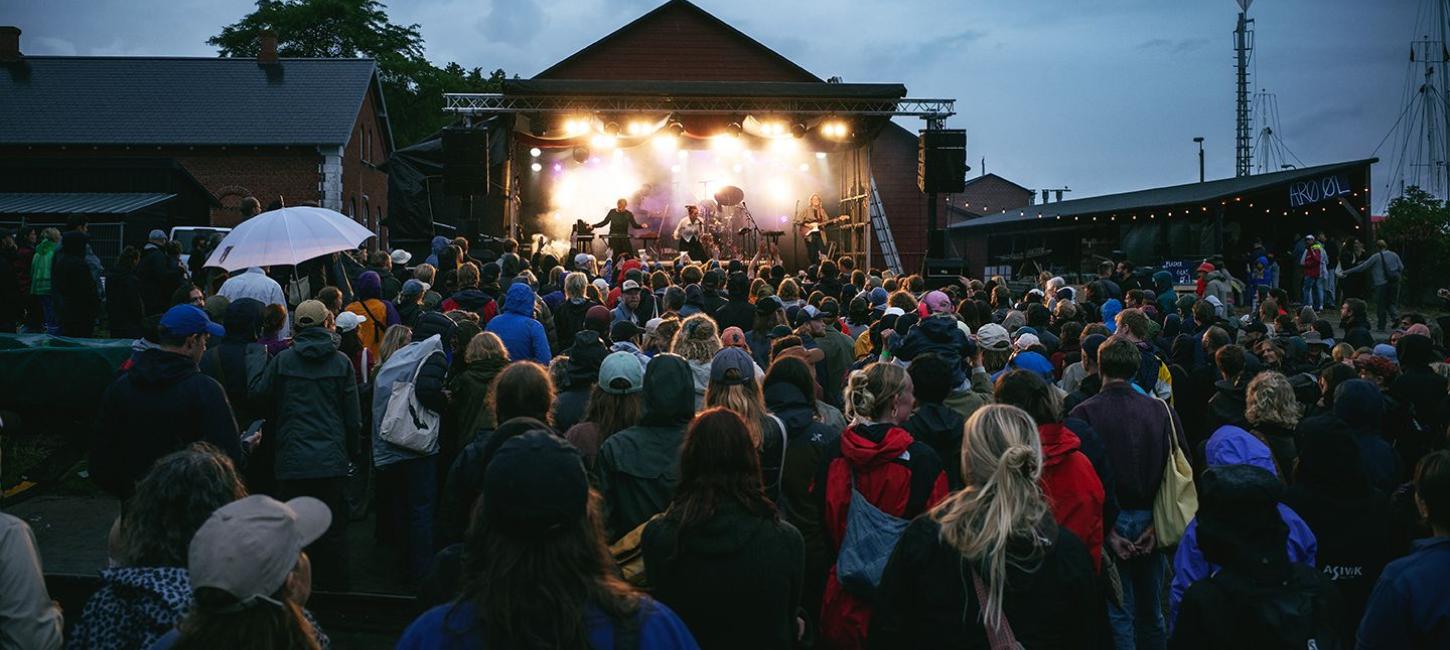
[
  {"x": 978, "y": 179},
  {"x": 681, "y": 9},
  {"x": 1159, "y": 196},
  {"x": 182, "y": 101}
]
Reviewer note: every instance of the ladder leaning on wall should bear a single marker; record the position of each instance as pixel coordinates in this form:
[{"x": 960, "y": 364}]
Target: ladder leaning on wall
[{"x": 882, "y": 230}]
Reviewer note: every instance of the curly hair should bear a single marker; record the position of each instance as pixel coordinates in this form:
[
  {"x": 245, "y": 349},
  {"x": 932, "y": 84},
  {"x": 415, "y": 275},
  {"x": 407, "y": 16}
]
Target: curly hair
[
  {"x": 173, "y": 500},
  {"x": 698, "y": 339},
  {"x": 1270, "y": 400}
]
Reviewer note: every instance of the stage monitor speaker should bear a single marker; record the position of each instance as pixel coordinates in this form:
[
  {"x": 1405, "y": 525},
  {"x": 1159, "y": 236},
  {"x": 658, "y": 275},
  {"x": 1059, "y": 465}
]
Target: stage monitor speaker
[
  {"x": 940, "y": 272},
  {"x": 941, "y": 161},
  {"x": 465, "y": 162}
]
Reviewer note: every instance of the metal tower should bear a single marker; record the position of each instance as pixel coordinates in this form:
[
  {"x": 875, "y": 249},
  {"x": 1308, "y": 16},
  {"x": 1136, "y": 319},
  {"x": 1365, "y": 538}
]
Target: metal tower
[
  {"x": 1244, "y": 49},
  {"x": 1420, "y": 137}
]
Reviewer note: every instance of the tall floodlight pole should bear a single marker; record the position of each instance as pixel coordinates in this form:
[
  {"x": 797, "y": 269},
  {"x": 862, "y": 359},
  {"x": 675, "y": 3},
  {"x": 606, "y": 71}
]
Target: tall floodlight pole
[
  {"x": 1199, "y": 140},
  {"x": 1244, "y": 49}
]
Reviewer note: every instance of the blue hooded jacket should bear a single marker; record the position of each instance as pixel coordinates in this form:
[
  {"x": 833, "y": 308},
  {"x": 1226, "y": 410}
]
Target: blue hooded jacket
[
  {"x": 439, "y": 243},
  {"x": 1111, "y": 308},
  {"x": 937, "y": 335},
  {"x": 524, "y": 337},
  {"x": 1231, "y": 445}
]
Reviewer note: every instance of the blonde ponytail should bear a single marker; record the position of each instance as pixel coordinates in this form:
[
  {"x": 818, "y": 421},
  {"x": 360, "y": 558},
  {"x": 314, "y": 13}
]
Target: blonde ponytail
[{"x": 1002, "y": 504}]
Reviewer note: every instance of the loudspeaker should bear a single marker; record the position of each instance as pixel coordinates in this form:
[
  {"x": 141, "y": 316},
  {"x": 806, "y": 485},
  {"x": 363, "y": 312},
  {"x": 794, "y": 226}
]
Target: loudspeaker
[
  {"x": 940, "y": 272},
  {"x": 465, "y": 162},
  {"x": 941, "y": 161}
]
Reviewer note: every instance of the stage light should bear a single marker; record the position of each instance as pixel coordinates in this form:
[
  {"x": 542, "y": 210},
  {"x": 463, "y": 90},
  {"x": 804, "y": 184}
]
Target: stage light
[
  {"x": 805, "y": 168},
  {"x": 535, "y": 152},
  {"x": 675, "y": 128},
  {"x": 733, "y": 129},
  {"x": 581, "y": 154},
  {"x": 558, "y": 167},
  {"x": 576, "y": 126},
  {"x": 665, "y": 142},
  {"x": 820, "y": 155},
  {"x": 536, "y": 167},
  {"x": 611, "y": 128},
  {"x": 835, "y": 129},
  {"x": 798, "y": 130},
  {"x": 637, "y": 128},
  {"x": 603, "y": 141}
]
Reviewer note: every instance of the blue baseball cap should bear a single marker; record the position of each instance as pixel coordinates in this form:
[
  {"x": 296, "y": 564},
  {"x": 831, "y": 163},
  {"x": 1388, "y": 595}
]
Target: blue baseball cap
[{"x": 185, "y": 320}]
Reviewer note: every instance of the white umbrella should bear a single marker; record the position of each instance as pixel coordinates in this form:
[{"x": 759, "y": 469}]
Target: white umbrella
[{"x": 287, "y": 236}]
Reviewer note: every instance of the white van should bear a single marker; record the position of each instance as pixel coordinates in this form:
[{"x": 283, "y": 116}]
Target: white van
[{"x": 187, "y": 235}]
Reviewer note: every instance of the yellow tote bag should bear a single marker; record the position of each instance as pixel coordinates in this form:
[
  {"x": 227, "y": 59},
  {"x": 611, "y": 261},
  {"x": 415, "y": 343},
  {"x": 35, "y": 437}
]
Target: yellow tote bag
[{"x": 1177, "y": 500}]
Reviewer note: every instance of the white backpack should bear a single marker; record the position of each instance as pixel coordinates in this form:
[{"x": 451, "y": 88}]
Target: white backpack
[{"x": 406, "y": 422}]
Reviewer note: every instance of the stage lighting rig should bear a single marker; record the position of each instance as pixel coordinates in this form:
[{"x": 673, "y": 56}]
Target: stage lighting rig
[
  {"x": 798, "y": 130},
  {"x": 733, "y": 129}
]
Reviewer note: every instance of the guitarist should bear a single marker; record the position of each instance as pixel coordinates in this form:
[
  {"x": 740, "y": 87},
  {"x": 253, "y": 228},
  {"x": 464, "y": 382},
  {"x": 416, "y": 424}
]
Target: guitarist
[{"x": 810, "y": 228}]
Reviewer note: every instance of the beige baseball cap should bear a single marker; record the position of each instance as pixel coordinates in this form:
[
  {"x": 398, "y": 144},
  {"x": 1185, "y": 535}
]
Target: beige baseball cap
[
  {"x": 247, "y": 547},
  {"x": 310, "y": 313}
]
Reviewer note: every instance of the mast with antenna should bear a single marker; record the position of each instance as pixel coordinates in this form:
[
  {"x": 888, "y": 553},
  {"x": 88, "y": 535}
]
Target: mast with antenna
[{"x": 1244, "y": 50}]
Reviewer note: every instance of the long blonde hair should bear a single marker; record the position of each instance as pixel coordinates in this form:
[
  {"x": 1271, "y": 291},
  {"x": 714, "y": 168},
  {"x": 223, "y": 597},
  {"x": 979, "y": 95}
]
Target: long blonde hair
[
  {"x": 1002, "y": 503},
  {"x": 871, "y": 391},
  {"x": 394, "y": 339}
]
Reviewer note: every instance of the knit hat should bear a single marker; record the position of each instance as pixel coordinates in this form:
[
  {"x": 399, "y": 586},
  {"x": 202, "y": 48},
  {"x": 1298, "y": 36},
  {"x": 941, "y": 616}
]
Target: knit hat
[{"x": 535, "y": 486}]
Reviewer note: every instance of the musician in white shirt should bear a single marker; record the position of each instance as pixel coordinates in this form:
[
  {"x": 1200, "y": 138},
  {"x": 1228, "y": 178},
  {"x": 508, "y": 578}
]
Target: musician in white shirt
[
  {"x": 811, "y": 221},
  {"x": 688, "y": 232}
]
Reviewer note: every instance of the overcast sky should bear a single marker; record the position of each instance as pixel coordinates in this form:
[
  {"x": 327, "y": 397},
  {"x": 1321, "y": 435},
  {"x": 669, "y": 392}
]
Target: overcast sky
[{"x": 1101, "y": 96}]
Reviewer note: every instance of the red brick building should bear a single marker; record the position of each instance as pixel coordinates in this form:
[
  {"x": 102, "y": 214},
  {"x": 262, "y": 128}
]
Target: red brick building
[
  {"x": 289, "y": 130},
  {"x": 680, "y": 42}
]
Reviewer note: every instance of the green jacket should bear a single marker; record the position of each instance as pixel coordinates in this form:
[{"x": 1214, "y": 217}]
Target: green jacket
[
  {"x": 468, "y": 411},
  {"x": 314, "y": 393},
  {"x": 40, "y": 267}
]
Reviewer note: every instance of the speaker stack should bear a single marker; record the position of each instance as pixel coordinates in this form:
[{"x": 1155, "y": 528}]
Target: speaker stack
[
  {"x": 465, "y": 162},
  {"x": 941, "y": 161}
]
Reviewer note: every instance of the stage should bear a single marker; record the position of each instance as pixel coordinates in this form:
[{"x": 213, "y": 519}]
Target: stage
[{"x": 748, "y": 155}]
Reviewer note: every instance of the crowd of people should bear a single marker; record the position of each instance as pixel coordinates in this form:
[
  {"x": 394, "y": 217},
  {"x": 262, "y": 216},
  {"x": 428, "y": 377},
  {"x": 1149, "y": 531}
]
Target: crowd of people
[{"x": 721, "y": 454}]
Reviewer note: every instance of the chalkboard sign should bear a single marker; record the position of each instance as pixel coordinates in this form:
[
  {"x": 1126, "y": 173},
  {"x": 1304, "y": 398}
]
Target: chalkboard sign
[{"x": 1182, "y": 270}]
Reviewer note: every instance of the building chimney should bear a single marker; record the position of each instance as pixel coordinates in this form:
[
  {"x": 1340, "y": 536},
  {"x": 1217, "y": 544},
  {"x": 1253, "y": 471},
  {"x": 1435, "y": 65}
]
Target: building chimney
[
  {"x": 267, "y": 52},
  {"x": 1044, "y": 196},
  {"x": 9, "y": 43}
]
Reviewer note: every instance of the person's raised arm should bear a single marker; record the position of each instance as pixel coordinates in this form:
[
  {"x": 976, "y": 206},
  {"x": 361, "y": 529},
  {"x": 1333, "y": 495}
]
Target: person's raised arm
[{"x": 607, "y": 218}]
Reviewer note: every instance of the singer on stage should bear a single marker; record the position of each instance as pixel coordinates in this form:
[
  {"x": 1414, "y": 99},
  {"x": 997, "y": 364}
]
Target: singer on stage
[
  {"x": 688, "y": 233},
  {"x": 619, "y": 220}
]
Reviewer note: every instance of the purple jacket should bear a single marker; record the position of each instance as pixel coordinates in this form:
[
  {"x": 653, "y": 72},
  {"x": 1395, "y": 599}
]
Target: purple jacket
[
  {"x": 1231, "y": 445},
  {"x": 1134, "y": 428}
]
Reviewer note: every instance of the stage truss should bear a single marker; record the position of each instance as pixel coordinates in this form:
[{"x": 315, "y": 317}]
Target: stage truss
[{"x": 853, "y": 240}]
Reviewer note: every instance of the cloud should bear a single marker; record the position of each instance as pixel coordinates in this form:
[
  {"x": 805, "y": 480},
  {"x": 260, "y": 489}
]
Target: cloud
[
  {"x": 48, "y": 45},
  {"x": 1173, "y": 47},
  {"x": 515, "y": 22}
]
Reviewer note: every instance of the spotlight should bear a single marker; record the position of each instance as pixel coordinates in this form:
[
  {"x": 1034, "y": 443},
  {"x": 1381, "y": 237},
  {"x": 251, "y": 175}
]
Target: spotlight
[
  {"x": 835, "y": 129},
  {"x": 535, "y": 153},
  {"x": 536, "y": 167},
  {"x": 733, "y": 129},
  {"x": 820, "y": 155},
  {"x": 581, "y": 154},
  {"x": 611, "y": 128},
  {"x": 675, "y": 128},
  {"x": 798, "y": 130},
  {"x": 576, "y": 126}
]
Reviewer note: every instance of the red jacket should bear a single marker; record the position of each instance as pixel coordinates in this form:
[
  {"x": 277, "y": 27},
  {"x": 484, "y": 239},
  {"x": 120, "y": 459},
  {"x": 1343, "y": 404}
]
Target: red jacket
[
  {"x": 896, "y": 473},
  {"x": 1072, "y": 487}
]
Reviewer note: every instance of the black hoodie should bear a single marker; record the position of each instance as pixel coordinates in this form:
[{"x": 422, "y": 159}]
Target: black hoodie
[
  {"x": 940, "y": 427},
  {"x": 639, "y": 466},
  {"x": 72, "y": 282},
  {"x": 807, "y": 441},
  {"x": 735, "y": 579},
  {"x": 161, "y": 405}
]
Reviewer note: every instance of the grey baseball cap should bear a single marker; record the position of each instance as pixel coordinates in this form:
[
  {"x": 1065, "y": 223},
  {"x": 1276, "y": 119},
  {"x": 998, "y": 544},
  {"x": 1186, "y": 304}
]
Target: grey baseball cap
[{"x": 247, "y": 547}]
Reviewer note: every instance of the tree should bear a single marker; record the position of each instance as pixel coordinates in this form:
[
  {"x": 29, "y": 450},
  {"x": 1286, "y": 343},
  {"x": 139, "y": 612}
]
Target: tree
[
  {"x": 412, "y": 86},
  {"x": 1418, "y": 227}
]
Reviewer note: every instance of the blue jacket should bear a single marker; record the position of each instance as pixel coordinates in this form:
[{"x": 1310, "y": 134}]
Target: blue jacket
[
  {"x": 937, "y": 335},
  {"x": 455, "y": 626},
  {"x": 437, "y": 245},
  {"x": 524, "y": 337},
  {"x": 1231, "y": 445},
  {"x": 1410, "y": 606}
]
